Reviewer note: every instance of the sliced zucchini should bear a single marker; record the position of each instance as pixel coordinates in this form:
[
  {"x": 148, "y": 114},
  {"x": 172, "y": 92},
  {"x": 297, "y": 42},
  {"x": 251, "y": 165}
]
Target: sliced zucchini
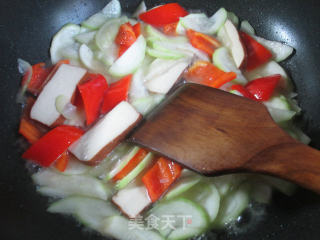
[
  {"x": 88, "y": 59},
  {"x": 137, "y": 87},
  {"x": 223, "y": 60},
  {"x": 153, "y": 33},
  {"x": 89, "y": 211},
  {"x": 226, "y": 183},
  {"x": 298, "y": 134},
  {"x": 71, "y": 52},
  {"x": 140, "y": 9},
  {"x": 201, "y": 23},
  {"x": 281, "y": 185},
  {"x": 112, "y": 9},
  {"x": 207, "y": 195},
  {"x": 281, "y": 115},
  {"x": 158, "y": 67},
  {"x": 130, "y": 60},
  {"x": 95, "y": 21},
  {"x": 119, "y": 227},
  {"x": 84, "y": 29},
  {"x": 183, "y": 184},
  {"x": 246, "y": 27},
  {"x": 294, "y": 104},
  {"x": 59, "y": 185},
  {"x": 121, "y": 163},
  {"x": 165, "y": 54},
  {"x": 145, "y": 104},
  {"x": 109, "y": 55},
  {"x": 135, "y": 172},
  {"x": 279, "y": 102},
  {"x": 186, "y": 218},
  {"x": 261, "y": 192},
  {"x": 217, "y": 20},
  {"x": 233, "y": 18},
  {"x": 107, "y": 33},
  {"x": 101, "y": 170},
  {"x": 62, "y": 39},
  {"x": 185, "y": 49},
  {"x": 85, "y": 37},
  {"x": 233, "y": 205}
]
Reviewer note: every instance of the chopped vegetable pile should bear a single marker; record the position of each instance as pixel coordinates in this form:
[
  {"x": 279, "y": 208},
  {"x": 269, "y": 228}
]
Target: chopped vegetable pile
[{"x": 109, "y": 72}]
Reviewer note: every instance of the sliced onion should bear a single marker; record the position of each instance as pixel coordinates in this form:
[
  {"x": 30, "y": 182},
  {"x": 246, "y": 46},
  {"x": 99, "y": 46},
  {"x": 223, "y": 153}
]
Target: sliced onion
[{"x": 24, "y": 68}]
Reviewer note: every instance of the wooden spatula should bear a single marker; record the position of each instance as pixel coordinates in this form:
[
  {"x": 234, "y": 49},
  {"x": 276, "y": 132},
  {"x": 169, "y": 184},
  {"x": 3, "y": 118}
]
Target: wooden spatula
[{"x": 214, "y": 132}]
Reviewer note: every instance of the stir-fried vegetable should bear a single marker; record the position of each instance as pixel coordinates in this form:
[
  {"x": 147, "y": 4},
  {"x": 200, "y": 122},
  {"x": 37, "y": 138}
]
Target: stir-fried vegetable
[
  {"x": 50, "y": 147},
  {"x": 116, "y": 93},
  {"x": 159, "y": 178},
  {"x": 137, "y": 158},
  {"x": 257, "y": 54},
  {"x": 162, "y": 15},
  {"x": 113, "y": 69},
  {"x": 92, "y": 93},
  {"x": 29, "y": 131},
  {"x": 203, "y": 42},
  {"x": 207, "y": 74},
  {"x": 263, "y": 88}
]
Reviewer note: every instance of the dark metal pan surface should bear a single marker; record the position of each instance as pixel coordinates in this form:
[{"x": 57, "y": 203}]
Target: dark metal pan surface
[{"x": 26, "y": 28}]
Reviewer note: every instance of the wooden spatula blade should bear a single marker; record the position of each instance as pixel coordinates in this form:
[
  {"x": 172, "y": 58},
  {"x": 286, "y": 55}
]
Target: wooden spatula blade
[{"x": 209, "y": 130}]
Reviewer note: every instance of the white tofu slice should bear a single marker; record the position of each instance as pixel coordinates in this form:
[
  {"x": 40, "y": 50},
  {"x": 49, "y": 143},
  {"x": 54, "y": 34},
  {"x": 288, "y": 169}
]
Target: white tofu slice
[
  {"x": 162, "y": 83},
  {"x": 63, "y": 82},
  {"x": 106, "y": 133},
  {"x": 132, "y": 200}
]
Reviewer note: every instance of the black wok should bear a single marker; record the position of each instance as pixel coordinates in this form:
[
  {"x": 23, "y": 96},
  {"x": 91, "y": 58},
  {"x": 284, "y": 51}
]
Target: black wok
[{"x": 26, "y": 28}]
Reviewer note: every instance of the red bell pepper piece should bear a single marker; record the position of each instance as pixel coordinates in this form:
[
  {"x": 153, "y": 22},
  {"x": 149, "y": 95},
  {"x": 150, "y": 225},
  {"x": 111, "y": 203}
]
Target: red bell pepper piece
[
  {"x": 170, "y": 29},
  {"x": 263, "y": 88},
  {"x": 203, "y": 42},
  {"x": 206, "y": 73},
  {"x": 92, "y": 93},
  {"x": 62, "y": 162},
  {"x": 29, "y": 131},
  {"x": 133, "y": 162},
  {"x": 256, "y": 53},
  {"x": 162, "y": 15},
  {"x": 244, "y": 92},
  {"x": 116, "y": 93},
  {"x": 125, "y": 38},
  {"x": 50, "y": 147},
  {"x": 137, "y": 29},
  {"x": 126, "y": 35},
  {"x": 38, "y": 77},
  {"x": 159, "y": 178},
  {"x": 223, "y": 79}
]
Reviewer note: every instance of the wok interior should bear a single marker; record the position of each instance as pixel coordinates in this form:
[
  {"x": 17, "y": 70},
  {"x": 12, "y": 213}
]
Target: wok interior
[{"x": 26, "y": 29}]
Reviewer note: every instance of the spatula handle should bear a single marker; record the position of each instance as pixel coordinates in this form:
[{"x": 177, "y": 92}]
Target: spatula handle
[{"x": 292, "y": 161}]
